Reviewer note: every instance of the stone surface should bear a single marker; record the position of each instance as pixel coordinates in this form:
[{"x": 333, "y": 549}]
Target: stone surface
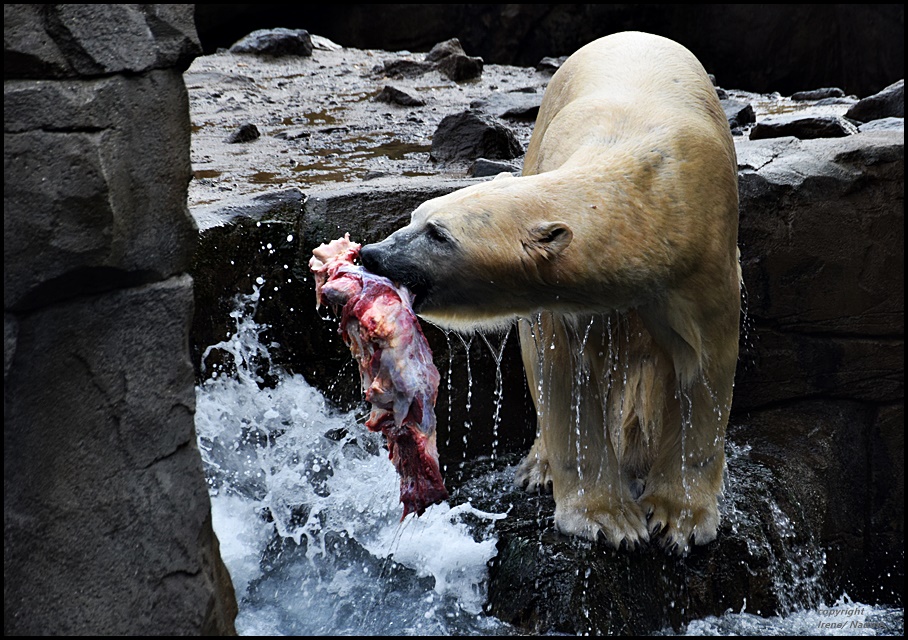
[
  {"x": 84, "y": 40},
  {"x": 275, "y": 42},
  {"x": 466, "y": 136},
  {"x": 818, "y": 94},
  {"x": 107, "y": 522},
  {"x": 392, "y": 95},
  {"x": 739, "y": 114},
  {"x": 106, "y": 513},
  {"x": 888, "y": 103},
  {"x": 246, "y": 132},
  {"x": 802, "y": 128},
  {"x": 460, "y": 68},
  {"x": 484, "y": 168},
  {"x": 83, "y": 211}
]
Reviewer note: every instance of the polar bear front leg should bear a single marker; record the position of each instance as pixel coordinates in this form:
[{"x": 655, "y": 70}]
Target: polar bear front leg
[
  {"x": 593, "y": 496},
  {"x": 683, "y": 486}
]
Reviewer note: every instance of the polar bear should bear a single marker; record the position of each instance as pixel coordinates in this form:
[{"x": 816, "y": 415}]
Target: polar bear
[{"x": 616, "y": 252}]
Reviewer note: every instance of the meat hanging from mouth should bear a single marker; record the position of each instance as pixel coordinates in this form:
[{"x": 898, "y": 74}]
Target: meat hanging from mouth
[{"x": 398, "y": 376}]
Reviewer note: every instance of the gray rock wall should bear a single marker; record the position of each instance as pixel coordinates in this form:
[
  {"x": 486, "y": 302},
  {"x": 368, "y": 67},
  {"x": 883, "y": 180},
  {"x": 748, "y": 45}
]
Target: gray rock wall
[{"x": 107, "y": 523}]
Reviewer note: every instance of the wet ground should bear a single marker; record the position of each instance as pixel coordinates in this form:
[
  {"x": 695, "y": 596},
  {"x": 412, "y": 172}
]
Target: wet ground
[{"x": 319, "y": 123}]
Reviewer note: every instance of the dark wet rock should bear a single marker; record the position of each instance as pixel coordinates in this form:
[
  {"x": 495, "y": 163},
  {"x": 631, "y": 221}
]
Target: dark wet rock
[
  {"x": 818, "y": 94},
  {"x": 466, "y": 136},
  {"x": 275, "y": 42},
  {"x": 460, "y": 68},
  {"x": 453, "y": 62},
  {"x": 394, "y": 95},
  {"x": 803, "y": 128},
  {"x": 107, "y": 518},
  {"x": 516, "y": 105},
  {"x": 484, "y": 168},
  {"x": 10, "y": 331},
  {"x": 550, "y": 65},
  {"x": 763, "y": 559},
  {"x": 838, "y": 234},
  {"x": 247, "y": 132},
  {"x": 739, "y": 114},
  {"x": 888, "y": 103},
  {"x": 286, "y": 203}
]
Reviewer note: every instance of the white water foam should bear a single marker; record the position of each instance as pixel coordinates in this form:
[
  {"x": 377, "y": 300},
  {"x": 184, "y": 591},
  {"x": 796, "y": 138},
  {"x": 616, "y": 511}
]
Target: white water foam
[{"x": 306, "y": 506}]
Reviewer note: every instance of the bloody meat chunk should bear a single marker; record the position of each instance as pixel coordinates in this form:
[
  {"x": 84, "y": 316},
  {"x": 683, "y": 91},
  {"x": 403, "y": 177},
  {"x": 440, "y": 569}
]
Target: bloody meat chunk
[{"x": 398, "y": 376}]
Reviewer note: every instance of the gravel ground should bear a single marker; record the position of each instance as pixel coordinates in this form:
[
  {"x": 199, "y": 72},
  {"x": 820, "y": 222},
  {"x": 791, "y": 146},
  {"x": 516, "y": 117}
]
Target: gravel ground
[{"x": 319, "y": 124}]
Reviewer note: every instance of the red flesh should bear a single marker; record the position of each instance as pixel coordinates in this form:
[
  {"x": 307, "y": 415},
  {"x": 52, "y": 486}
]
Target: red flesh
[{"x": 395, "y": 363}]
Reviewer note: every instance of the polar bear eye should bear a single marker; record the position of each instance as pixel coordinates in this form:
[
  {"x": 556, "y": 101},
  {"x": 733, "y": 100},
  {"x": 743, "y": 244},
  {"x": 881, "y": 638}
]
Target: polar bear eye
[{"x": 437, "y": 233}]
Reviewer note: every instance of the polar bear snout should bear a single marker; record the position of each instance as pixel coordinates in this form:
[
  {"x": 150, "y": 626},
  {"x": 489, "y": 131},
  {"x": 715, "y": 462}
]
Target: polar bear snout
[{"x": 391, "y": 259}]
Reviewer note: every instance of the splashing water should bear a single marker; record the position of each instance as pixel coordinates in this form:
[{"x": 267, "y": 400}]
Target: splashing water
[{"x": 305, "y": 504}]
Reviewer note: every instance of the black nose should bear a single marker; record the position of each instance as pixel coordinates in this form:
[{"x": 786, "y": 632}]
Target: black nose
[{"x": 369, "y": 256}]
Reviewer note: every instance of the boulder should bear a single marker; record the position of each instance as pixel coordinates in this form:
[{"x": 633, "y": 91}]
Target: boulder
[
  {"x": 888, "y": 103},
  {"x": 467, "y": 136},
  {"x": 804, "y": 128},
  {"x": 107, "y": 517},
  {"x": 275, "y": 42}
]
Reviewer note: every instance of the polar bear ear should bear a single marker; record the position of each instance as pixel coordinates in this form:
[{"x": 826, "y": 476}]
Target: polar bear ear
[{"x": 549, "y": 239}]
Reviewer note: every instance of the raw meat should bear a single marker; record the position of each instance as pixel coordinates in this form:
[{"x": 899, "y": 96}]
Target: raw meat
[{"x": 398, "y": 376}]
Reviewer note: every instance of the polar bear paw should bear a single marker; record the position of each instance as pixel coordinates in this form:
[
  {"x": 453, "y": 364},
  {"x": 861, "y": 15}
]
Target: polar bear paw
[
  {"x": 533, "y": 474},
  {"x": 619, "y": 523},
  {"x": 677, "y": 525}
]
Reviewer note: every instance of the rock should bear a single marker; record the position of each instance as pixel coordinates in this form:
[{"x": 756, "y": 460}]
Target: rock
[
  {"x": 739, "y": 114},
  {"x": 323, "y": 44},
  {"x": 99, "y": 226},
  {"x": 818, "y": 94},
  {"x": 107, "y": 518},
  {"x": 404, "y": 68},
  {"x": 516, "y": 105},
  {"x": 484, "y": 168},
  {"x": 275, "y": 42},
  {"x": 393, "y": 95},
  {"x": 547, "y": 583},
  {"x": 271, "y": 204},
  {"x": 550, "y": 65},
  {"x": 883, "y": 124},
  {"x": 445, "y": 49},
  {"x": 247, "y": 132},
  {"x": 888, "y": 103},
  {"x": 65, "y": 41},
  {"x": 107, "y": 453},
  {"x": 460, "y": 68},
  {"x": 803, "y": 128},
  {"x": 803, "y": 269},
  {"x": 466, "y": 136}
]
